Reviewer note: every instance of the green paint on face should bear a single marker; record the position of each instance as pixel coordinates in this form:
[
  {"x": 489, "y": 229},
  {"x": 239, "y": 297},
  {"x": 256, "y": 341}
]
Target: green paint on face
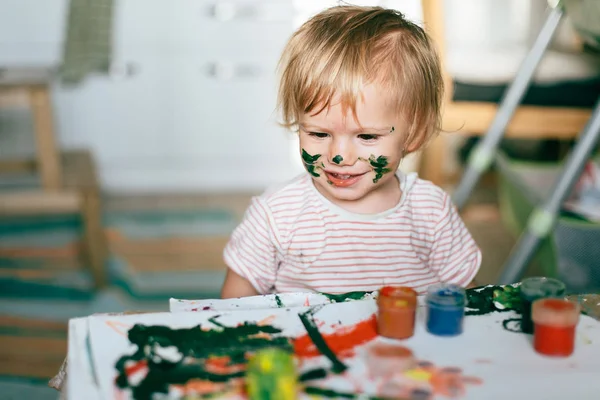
[
  {"x": 392, "y": 130},
  {"x": 309, "y": 162},
  {"x": 379, "y": 165},
  {"x": 337, "y": 159}
]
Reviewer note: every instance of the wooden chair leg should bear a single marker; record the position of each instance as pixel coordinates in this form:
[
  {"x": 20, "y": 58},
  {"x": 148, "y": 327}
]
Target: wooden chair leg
[
  {"x": 432, "y": 161},
  {"x": 94, "y": 237},
  {"x": 48, "y": 159}
]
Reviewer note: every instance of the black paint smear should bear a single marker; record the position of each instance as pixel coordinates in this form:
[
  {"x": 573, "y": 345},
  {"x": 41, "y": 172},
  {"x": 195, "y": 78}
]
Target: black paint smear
[
  {"x": 312, "y": 374},
  {"x": 308, "y": 321},
  {"x": 516, "y": 329},
  {"x": 213, "y": 320},
  {"x": 195, "y": 344},
  {"x": 340, "y": 298}
]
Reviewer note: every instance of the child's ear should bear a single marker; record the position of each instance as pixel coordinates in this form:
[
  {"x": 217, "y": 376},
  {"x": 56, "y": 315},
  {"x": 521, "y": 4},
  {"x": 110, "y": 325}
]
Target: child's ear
[{"x": 414, "y": 143}]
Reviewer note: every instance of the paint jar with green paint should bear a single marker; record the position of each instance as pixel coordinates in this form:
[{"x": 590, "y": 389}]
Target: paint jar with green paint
[
  {"x": 536, "y": 288},
  {"x": 271, "y": 375}
]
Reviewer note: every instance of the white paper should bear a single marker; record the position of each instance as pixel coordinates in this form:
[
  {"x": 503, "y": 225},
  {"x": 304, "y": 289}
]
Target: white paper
[{"x": 283, "y": 300}]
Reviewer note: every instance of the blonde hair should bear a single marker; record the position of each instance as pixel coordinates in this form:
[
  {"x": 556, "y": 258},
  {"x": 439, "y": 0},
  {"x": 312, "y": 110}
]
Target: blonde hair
[{"x": 342, "y": 48}]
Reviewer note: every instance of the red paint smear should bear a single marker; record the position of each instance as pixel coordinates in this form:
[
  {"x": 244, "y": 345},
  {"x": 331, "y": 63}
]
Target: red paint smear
[
  {"x": 341, "y": 342},
  {"x": 136, "y": 367}
]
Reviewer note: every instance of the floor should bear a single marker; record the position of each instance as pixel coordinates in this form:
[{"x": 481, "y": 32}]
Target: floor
[{"x": 33, "y": 331}]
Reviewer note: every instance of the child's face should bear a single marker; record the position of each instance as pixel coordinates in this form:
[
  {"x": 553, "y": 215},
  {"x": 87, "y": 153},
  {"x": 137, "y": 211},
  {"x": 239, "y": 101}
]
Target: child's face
[{"x": 354, "y": 161}]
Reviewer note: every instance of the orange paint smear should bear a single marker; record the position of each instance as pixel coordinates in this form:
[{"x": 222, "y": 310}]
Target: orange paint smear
[
  {"x": 342, "y": 342},
  {"x": 203, "y": 387},
  {"x": 221, "y": 365}
]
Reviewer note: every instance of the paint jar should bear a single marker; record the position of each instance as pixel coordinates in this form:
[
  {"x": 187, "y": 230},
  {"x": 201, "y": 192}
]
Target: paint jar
[
  {"x": 271, "y": 374},
  {"x": 445, "y": 309},
  {"x": 385, "y": 360},
  {"x": 535, "y": 288},
  {"x": 555, "y": 323},
  {"x": 397, "y": 306}
]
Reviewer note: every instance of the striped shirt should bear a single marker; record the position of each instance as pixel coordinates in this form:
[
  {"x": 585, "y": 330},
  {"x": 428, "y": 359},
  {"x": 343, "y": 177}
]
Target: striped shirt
[{"x": 293, "y": 239}]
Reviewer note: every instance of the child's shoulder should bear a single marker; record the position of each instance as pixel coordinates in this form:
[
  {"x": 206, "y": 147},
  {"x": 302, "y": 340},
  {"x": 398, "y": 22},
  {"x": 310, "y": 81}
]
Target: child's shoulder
[
  {"x": 424, "y": 194},
  {"x": 294, "y": 191}
]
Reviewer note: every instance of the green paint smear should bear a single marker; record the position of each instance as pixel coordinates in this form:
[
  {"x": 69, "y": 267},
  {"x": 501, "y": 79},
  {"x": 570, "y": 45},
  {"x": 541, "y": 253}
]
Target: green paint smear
[
  {"x": 340, "y": 298},
  {"x": 329, "y": 393},
  {"x": 481, "y": 301},
  {"x": 279, "y": 302},
  {"x": 309, "y": 162},
  {"x": 337, "y": 159},
  {"x": 200, "y": 345}
]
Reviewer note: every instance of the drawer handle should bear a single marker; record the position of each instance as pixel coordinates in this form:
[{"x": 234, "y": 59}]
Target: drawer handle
[
  {"x": 228, "y": 11},
  {"x": 120, "y": 71},
  {"x": 225, "y": 71}
]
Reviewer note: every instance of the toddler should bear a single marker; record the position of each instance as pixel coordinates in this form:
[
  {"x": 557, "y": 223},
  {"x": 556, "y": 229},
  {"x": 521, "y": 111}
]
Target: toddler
[{"x": 362, "y": 86}]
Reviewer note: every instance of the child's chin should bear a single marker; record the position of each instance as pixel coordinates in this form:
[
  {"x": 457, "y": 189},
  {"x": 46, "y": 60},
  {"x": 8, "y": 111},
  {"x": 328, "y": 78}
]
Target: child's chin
[{"x": 346, "y": 193}]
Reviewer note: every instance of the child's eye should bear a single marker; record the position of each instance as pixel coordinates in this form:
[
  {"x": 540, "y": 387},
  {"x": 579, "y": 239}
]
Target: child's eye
[
  {"x": 319, "y": 135},
  {"x": 367, "y": 137}
]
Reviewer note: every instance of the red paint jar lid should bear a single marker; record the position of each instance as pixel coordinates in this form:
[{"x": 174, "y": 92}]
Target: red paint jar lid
[{"x": 555, "y": 312}]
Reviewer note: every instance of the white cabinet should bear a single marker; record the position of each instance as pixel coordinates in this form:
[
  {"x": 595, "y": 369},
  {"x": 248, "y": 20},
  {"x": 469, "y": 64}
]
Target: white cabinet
[
  {"x": 31, "y": 31},
  {"x": 191, "y": 99}
]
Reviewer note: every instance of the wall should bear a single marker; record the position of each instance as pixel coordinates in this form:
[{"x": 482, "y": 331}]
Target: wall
[{"x": 190, "y": 101}]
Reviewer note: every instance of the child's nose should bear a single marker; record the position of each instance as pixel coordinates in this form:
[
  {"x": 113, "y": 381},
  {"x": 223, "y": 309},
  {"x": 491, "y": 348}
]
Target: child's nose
[{"x": 341, "y": 152}]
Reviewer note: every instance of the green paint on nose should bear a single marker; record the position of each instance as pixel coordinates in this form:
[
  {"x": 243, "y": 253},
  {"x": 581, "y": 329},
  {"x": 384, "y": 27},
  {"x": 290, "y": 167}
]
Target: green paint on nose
[{"x": 337, "y": 159}]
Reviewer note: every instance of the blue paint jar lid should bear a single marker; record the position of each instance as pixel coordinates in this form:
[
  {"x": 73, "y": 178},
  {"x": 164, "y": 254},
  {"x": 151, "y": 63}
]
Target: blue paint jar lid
[{"x": 446, "y": 295}]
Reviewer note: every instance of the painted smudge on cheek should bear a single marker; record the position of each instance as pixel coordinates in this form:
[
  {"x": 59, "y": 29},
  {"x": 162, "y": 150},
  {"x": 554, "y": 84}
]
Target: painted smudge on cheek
[
  {"x": 311, "y": 163},
  {"x": 379, "y": 165}
]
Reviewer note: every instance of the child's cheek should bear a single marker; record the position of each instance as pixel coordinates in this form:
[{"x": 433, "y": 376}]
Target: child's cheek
[
  {"x": 312, "y": 162},
  {"x": 380, "y": 164}
]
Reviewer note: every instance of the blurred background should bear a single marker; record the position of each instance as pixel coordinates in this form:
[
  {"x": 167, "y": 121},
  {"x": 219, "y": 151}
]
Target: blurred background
[{"x": 133, "y": 133}]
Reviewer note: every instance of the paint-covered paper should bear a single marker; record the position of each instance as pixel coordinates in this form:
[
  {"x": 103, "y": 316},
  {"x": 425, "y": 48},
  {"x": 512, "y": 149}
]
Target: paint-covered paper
[
  {"x": 283, "y": 300},
  {"x": 174, "y": 355}
]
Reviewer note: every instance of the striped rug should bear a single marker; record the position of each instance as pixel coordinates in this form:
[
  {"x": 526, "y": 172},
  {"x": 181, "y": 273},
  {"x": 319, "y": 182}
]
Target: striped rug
[{"x": 155, "y": 253}]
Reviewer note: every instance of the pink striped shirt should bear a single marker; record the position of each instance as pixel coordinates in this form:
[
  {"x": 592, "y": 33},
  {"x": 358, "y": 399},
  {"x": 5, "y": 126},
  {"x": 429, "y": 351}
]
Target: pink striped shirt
[{"x": 293, "y": 239}]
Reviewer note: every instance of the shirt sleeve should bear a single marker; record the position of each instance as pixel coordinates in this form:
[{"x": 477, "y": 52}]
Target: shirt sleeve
[
  {"x": 454, "y": 256},
  {"x": 252, "y": 249}
]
